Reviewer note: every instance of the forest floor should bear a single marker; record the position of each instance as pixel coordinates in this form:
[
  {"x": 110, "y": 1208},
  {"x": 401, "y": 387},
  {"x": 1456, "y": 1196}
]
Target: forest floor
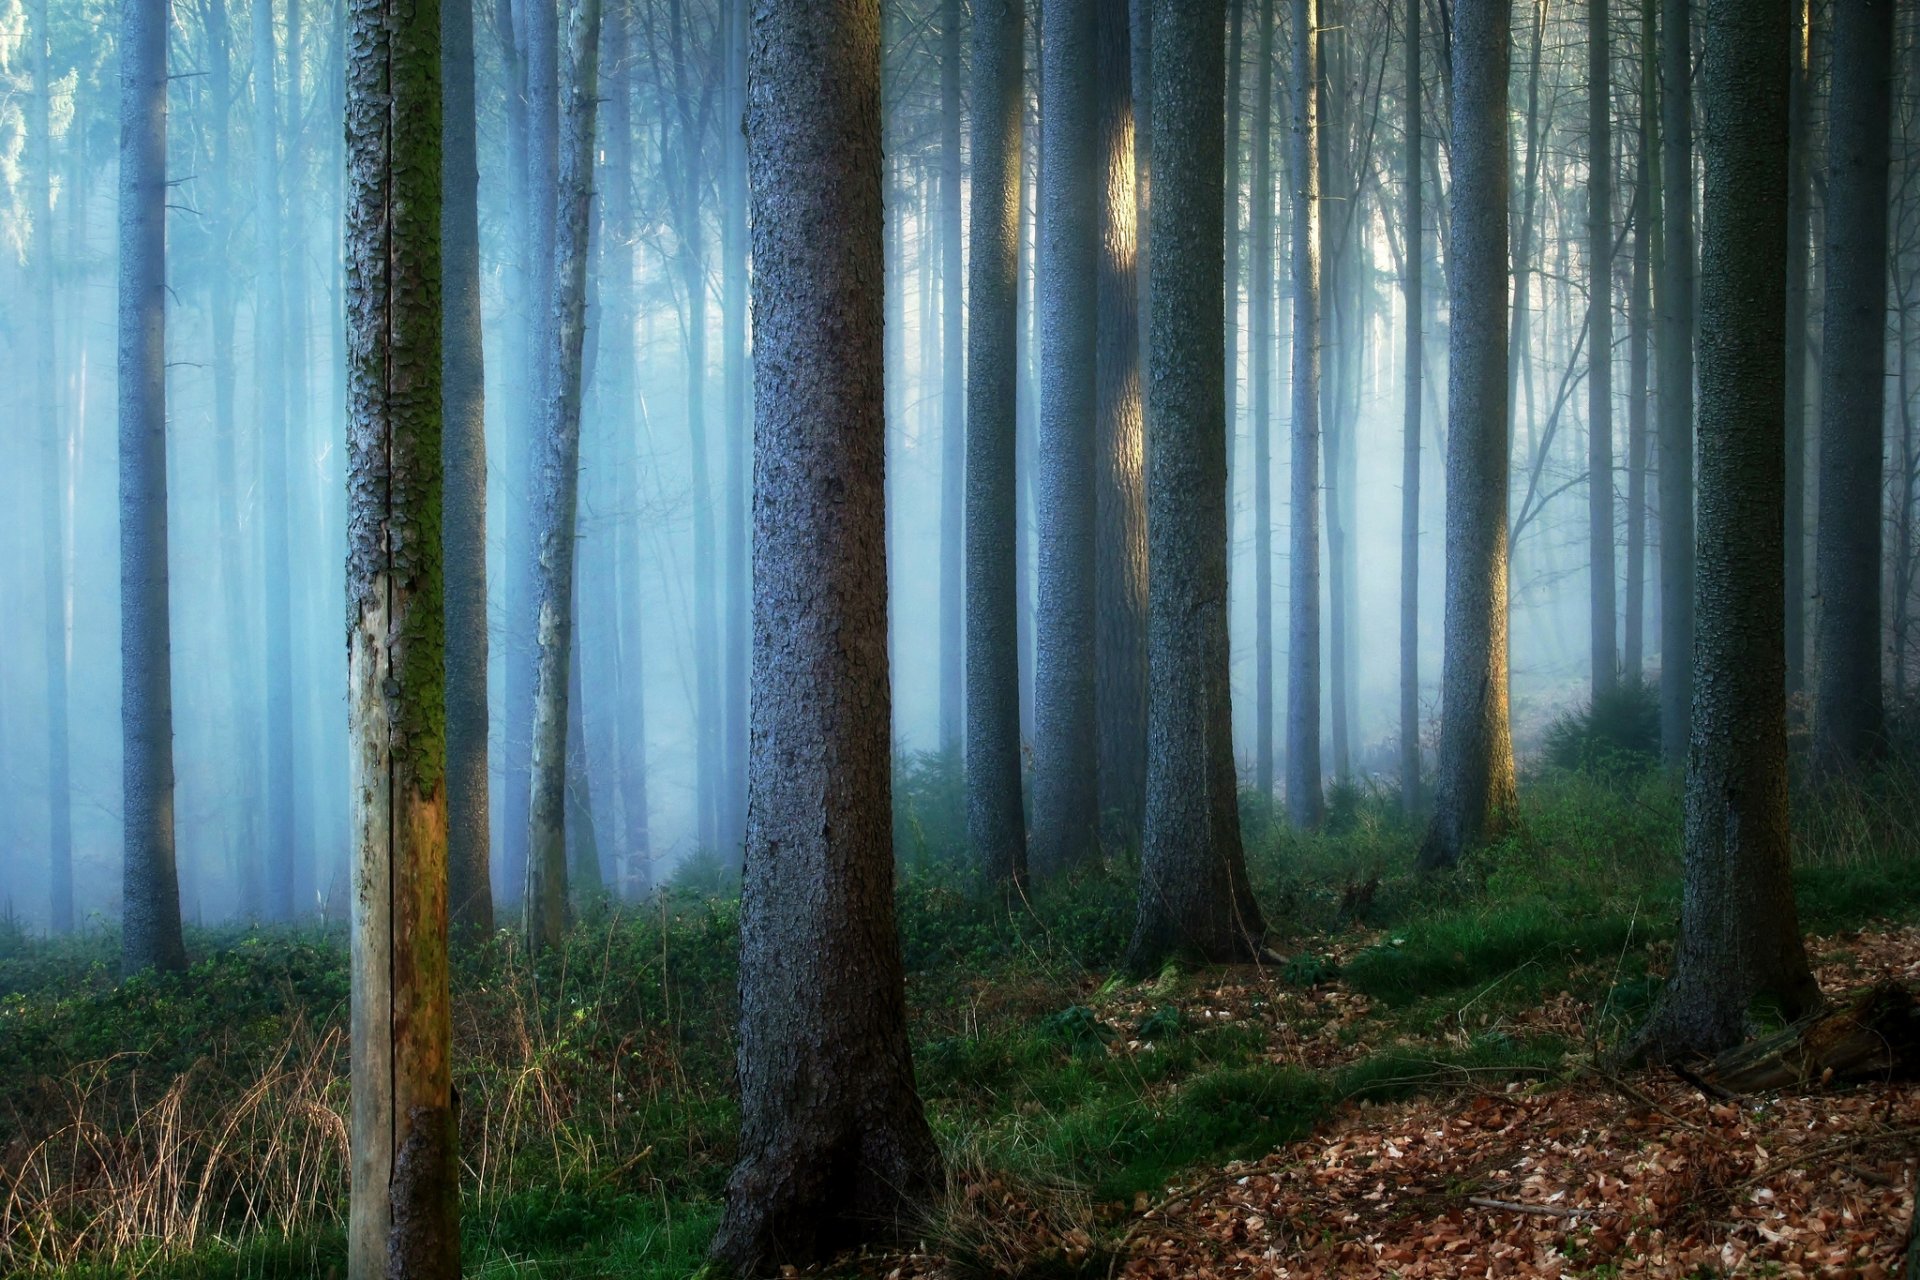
[{"x": 1415, "y": 1085}]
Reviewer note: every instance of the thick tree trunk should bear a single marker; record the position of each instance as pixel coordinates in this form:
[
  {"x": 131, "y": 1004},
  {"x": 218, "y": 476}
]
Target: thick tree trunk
[
  {"x": 1260, "y": 356},
  {"x": 1474, "y": 796},
  {"x": 1120, "y": 540},
  {"x": 834, "y": 1147},
  {"x": 1194, "y": 895},
  {"x": 1600, "y": 564},
  {"x": 464, "y": 506},
  {"x": 1673, "y": 291},
  {"x": 1304, "y": 802},
  {"x": 1848, "y": 709},
  {"x": 1739, "y": 938},
  {"x": 1415, "y": 357},
  {"x": 405, "y": 1211},
  {"x": 996, "y": 824},
  {"x": 150, "y": 914},
  {"x": 53, "y": 529},
  {"x": 1066, "y": 753},
  {"x": 557, "y": 485}
]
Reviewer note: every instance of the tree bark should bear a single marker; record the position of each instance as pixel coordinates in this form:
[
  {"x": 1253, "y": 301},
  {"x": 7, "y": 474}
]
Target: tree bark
[
  {"x": 1120, "y": 541},
  {"x": 1739, "y": 938},
  {"x": 1260, "y": 357},
  {"x": 1305, "y": 806},
  {"x": 1639, "y": 349},
  {"x": 1848, "y": 712},
  {"x": 996, "y": 823},
  {"x": 464, "y": 522},
  {"x": 1600, "y": 564},
  {"x": 1475, "y": 791},
  {"x": 557, "y": 484},
  {"x": 404, "y": 1216},
  {"x": 1673, "y": 291},
  {"x": 150, "y": 919},
  {"x": 1194, "y": 895},
  {"x": 834, "y": 1147},
  {"x": 1066, "y": 753}
]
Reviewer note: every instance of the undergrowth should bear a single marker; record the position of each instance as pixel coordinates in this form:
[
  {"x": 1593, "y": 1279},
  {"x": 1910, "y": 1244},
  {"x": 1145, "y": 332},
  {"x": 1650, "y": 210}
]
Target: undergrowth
[{"x": 195, "y": 1126}]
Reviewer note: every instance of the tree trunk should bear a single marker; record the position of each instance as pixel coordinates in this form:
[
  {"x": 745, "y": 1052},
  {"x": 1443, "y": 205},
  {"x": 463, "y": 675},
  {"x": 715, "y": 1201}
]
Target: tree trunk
[
  {"x": 150, "y": 923},
  {"x": 1066, "y": 759},
  {"x": 834, "y": 1147},
  {"x": 1639, "y": 349},
  {"x": 464, "y": 505},
  {"x": 739, "y": 421},
  {"x": 42, "y": 357},
  {"x": 1194, "y": 895},
  {"x": 405, "y": 1210},
  {"x": 557, "y": 485},
  {"x": 1474, "y": 795},
  {"x": 1674, "y": 294},
  {"x": 1410, "y": 435},
  {"x": 1739, "y": 938},
  {"x": 1120, "y": 541},
  {"x": 1304, "y": 802},
  {"x": 996, "y": 825},
  {"x": 1260, "y": 356},
  {"x": 1600, "y": 571},
  {"x": 1230, "y": 294},
  {"x": 1847, "y": 693},
  {"x": 1799, "y": 255},
  {"x": 953, "y": 448}
]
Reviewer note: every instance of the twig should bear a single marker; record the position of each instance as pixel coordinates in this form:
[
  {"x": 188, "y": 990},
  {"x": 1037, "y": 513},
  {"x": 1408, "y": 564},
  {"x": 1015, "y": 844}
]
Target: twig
[{"x": 1543, "y": 1210}]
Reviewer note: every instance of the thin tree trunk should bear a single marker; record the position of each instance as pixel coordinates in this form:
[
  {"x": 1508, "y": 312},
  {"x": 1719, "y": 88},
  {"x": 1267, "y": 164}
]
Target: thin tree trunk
[
  {"x": 1475, "y": 792},
  {"x": 1120, "y": 541},
  {"x": 996, "y": 825},
  {"x": 1410, "y": 436},
  {"x": 1739, "y": 937},
  {"x": 1639, "y": 350},
  {"x": 1799, "y": 256},
  {"x": 1230, "y": 294},
  {"x": 1304, "y": 801},
  {"x": 1260, "y": 303},
  {"x": 834, "y": 1147},
  {"x": 739, "y": 421},
  {"x": 1600, "y": 564},
  {"x": 150, "y": 913},
  {"x": 557, "y": 485},
  {"x": 1194, "y": 894},
  {"x": 1674, "y": 295},
  {"x": 1066, "y": 759},
  {"x": 1848, "y": 711},
  {"x": 464, "y": 501},
  {"x": 953, "y": 447},
  {"x": 405, "y": 1212}
]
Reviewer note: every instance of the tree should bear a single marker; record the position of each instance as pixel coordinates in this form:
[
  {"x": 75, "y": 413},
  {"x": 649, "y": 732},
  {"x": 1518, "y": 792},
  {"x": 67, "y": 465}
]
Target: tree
[
  {"x": 1646, "y": 214},
  {"x": 405, "y": 1210},
  {"x": 1194, "y": 894},
  {"x": 558, "y": 484},
  {"x": 1260, "y": 354},
  {"x": 1304, "y": 802},
  {"x": 1410, "y": 432},
  {"x": 1120, "y": 501},
  {"x": 1474, "y": 795},
  {"x": 1739, "y": 938},
  {"x": 1065, "y": 781},
  {"x": 1673, "y": 290},
  {"x": 1847, "y": 687},
  {"x": 833, "y": 1143},
  {"x": 1600, "y": 590},
  {"x": 150, "y": 923},
  {"x": 464, "y": 504},
  {"x": 1799, "y": 276},
  {"x": 952, "y": 394},
  {"x": 996, "y": 822}
]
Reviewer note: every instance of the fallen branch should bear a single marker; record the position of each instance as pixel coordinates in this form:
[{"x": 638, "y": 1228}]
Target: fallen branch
[{"x": 1543, "y": 1210}]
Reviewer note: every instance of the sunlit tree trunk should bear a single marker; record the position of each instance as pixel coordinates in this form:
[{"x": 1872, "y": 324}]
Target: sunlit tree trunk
[
  {"x": 1673, "y": 291},
  {"x": 1065, "y": 785},
  {"x": 1410, "y": 433},
  {"x": 404, "y": 1218},
  {"x": 996, "y": 825},
  {"x": 1739, "y": 938},
  {"x": 1474, "y": 795},
  {"x": 834, "y": 1147},
  {"x": 150, "y": 914},
  {"x": 1194, "y": 895},
  {"x": 1304, "y": 802},
  {"x": 1120, "y": 539},
  {"x": 1600, "y": 564},
  {"x": 1848, "y": 709},
  {"x": 464, "y": 505},
  {"x": 1260, "y": 356},
  {"x": 557, "y": 484}
]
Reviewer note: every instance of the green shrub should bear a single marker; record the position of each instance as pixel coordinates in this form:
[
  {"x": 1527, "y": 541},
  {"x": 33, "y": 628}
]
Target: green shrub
[{"x": 1616, "y": 733}]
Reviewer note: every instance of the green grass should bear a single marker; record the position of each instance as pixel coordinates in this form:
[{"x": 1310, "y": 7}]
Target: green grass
[{"x": 597, "y": 1084}]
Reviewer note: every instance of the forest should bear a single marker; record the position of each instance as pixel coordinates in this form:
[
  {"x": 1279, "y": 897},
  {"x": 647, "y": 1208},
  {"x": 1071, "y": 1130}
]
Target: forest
[{"x": 960, "y": 638}]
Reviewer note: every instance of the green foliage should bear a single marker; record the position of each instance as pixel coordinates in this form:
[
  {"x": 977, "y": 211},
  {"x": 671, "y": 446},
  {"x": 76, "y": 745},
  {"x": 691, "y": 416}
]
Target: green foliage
[{"x": 1617, "y": 733}]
